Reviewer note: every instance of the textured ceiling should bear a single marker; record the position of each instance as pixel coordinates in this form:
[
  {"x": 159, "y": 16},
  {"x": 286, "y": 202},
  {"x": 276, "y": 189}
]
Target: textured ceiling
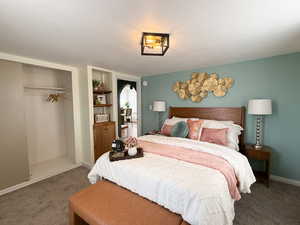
[{"x": 107, "y": 33}]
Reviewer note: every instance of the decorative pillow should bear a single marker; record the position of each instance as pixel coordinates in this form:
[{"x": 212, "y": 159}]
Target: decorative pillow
[
  {"x": 194, "y": 128},
  {"x": 168, "y": 124},
  {"x": 180, "y": 129},
  {"x": 166, "y": 130},
  {"x": 233, "y": 133},
  {"x": 216, "y": 136}
]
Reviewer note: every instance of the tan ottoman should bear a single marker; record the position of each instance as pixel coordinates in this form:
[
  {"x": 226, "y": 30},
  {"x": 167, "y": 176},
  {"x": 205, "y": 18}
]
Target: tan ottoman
[{"x": 106, "y": 203}]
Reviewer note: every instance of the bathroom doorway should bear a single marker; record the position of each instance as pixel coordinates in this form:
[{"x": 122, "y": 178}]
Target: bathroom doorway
[{"x": 127, "y": 108}]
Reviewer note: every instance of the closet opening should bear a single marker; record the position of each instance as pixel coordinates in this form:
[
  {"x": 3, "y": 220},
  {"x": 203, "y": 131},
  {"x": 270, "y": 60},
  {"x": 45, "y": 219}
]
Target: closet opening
[
  {"x": 39, "y": 121},
  {"x": 49, "y": 120}
]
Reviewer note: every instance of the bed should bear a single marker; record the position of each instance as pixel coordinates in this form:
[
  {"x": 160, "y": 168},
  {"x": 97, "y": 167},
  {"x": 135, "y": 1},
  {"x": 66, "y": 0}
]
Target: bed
[{"x": 202, "y": 194}]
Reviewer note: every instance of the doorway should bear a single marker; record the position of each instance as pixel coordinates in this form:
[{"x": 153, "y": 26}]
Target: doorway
[{"x": 127, "y": 108}]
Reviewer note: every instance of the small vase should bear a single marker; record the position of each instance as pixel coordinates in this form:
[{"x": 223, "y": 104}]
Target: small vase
[
  {"x": 132, "y": 151},
  {"x": 101, "y": 87}
]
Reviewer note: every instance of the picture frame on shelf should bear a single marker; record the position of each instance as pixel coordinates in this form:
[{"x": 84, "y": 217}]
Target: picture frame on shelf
[
  {"x": 100, "y": 99},
  {"x": 101, "y": 117}
]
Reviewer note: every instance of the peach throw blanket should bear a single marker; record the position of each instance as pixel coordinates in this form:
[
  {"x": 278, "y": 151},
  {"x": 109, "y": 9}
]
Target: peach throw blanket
[{"x": 196, "y": 157}]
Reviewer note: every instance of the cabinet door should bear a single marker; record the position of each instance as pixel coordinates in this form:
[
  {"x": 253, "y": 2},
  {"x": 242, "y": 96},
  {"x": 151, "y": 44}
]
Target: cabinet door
[
  {"x": 14, "y": 165},
  {"x": 104, "y": 134},
  {"x": 109, "y": 136},
  {"x": 98, "y": 142}
]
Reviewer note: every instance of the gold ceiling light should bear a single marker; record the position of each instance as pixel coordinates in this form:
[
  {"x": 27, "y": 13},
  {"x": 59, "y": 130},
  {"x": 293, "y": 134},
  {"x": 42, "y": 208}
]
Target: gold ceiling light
[{"x": 154, "y": 43}]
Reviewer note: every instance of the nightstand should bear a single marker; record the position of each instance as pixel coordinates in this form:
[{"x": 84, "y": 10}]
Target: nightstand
[{"x": 263, "y": 154}]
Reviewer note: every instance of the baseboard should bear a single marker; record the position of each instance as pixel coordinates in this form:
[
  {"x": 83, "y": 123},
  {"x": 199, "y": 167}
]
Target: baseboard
[
  {"x": 87, "y": 165},
  {"x": 285, "y": 180},
  {"x": 35, "y": 180}
]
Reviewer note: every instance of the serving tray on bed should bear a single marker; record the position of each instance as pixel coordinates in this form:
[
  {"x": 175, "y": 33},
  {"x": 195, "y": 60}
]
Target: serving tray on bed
[{"x": 113, "y": 158}]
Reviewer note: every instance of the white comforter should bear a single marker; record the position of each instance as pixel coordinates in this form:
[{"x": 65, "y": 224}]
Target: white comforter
[{"x": 199, "y": 194}]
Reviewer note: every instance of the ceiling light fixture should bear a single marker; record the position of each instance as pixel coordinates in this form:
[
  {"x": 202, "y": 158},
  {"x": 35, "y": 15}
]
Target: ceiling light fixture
[{"x": 154, "y": 43}]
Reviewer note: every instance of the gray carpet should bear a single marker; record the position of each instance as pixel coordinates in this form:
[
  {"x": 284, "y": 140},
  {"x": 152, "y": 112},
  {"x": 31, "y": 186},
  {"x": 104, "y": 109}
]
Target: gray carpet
[{"x": 45, "y": 203}]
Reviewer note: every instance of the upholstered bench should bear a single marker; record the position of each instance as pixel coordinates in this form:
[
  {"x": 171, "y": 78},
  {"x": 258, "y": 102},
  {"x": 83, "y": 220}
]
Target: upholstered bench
[{"x": 106, "y": 203}]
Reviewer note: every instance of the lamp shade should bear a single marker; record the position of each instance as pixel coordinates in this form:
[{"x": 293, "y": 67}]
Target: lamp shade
[
  {"x": 260, "y": 107},
  {"x": 159, "y": 106}
]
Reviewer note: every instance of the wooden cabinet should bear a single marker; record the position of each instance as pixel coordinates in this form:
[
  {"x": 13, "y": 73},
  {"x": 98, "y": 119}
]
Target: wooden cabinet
[
  {"x": 104, "y": 134},
  {"x": 264, "y": 155}
]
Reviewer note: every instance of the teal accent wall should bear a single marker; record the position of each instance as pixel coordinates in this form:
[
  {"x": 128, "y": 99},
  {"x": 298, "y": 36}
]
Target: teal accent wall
[{"x": 277, "y": 78}]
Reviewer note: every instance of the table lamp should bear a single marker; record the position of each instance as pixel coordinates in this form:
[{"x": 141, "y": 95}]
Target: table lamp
[
  {"x": 159, "y": 106},
  {"x": 259, "y": 107}
]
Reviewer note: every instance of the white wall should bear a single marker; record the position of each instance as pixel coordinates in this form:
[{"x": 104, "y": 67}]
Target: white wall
[
  {"x": 85, "y": 116},
  {"x": 68, "y": 115}
]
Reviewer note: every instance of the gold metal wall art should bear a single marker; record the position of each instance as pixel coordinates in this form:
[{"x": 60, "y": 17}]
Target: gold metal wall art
[{"x": 201, "y": 85}]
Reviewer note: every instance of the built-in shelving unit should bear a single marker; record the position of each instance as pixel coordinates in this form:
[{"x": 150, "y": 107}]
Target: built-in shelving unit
[
  {"x": 109, "y": 78},
  {"x": 104, "y": 130},
  {"x": 105, "y": 78}
]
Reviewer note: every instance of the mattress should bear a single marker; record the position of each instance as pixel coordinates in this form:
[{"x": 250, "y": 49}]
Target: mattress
[{"x": 198, "y": 193}]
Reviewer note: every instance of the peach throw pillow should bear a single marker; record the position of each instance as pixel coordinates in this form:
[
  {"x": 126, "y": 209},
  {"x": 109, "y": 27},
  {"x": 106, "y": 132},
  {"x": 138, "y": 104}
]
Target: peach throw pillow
[
  {"x": 216, "y": 136},
  {"x": 194, "y": 128}
]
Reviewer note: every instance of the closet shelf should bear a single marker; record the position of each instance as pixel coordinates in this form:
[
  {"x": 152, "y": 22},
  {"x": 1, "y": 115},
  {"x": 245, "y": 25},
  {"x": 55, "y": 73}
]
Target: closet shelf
[
  {"x": 103, "y": 105},
  {"x": 45, "y": 88}
]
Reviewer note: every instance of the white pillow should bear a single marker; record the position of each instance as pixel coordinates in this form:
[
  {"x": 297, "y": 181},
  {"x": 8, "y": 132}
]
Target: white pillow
[
  {"x": 217, "y": 123},
  {"x": 234, "y": 131},
  {"x": 184, "y": 119},
  {"x": 174, "y": 120}
]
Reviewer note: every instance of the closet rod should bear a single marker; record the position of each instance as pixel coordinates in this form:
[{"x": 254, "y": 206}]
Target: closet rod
[{"x": 45, "y": 88}]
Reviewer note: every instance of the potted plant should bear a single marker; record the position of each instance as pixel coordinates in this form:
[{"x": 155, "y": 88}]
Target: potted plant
[{"x": 96, "y": 84}]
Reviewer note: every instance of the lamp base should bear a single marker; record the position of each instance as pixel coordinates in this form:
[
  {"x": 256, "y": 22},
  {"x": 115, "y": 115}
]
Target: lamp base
[
  {"x": 258, "y": 147},
  {"x": 259, "y": 132}
]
